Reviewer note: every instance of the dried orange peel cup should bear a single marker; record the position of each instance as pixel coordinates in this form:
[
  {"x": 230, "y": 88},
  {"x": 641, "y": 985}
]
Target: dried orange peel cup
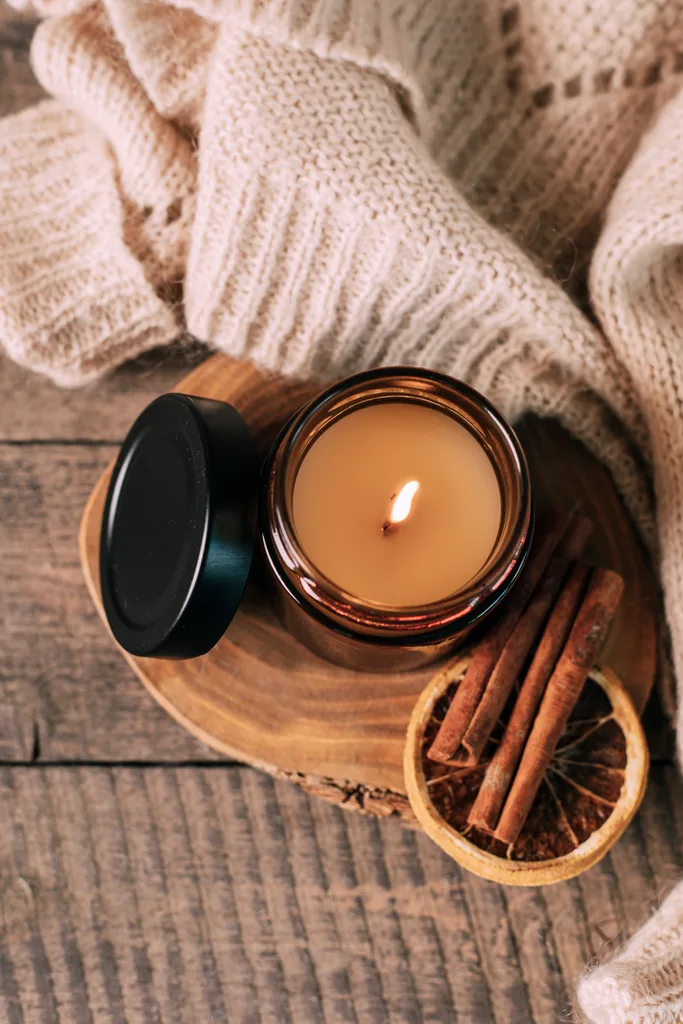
[{"x": 589, "y": 795}]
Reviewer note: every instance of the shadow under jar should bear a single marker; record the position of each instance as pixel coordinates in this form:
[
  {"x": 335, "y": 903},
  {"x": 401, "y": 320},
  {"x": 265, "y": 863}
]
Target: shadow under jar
[{"x": 393, "y": 515}]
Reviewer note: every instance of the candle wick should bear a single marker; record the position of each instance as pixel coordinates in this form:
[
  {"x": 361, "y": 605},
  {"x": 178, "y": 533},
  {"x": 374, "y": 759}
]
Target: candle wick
[{"x": 387, "y": 524}]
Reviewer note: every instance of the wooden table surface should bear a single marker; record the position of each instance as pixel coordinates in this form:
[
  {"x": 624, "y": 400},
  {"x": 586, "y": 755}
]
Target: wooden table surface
[{"x": 142, "y": 879}]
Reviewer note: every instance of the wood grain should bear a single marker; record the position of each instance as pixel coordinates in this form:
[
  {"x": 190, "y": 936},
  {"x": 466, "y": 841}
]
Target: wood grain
[
  {"x": 64, "y": 692},
  {"x": 171, "y": 896},
  {"x": 98, "y": 413},
  {"x": 334, "y": 724}
]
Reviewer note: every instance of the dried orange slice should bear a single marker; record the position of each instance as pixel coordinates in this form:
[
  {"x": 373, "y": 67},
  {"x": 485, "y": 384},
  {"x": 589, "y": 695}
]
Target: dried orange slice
[{"x": 589, "y": 795}]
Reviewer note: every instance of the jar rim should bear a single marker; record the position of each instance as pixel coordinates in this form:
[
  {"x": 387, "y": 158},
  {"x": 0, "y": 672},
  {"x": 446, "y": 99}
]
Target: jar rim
[{"x": 312, "y": 589}]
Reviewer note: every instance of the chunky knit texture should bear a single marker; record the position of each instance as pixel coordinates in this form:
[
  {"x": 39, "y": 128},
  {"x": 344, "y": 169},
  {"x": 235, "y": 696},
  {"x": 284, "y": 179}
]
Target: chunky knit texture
[
  {"x": 643, "y": 984},
  {"x": 490, "y": 190}
]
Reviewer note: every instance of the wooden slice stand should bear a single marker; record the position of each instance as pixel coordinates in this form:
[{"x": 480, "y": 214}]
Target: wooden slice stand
[{"x": 262, "y": 698}]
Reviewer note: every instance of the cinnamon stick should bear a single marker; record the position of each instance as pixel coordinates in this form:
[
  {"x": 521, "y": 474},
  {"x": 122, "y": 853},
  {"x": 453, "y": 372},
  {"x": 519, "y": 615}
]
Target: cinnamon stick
[
  {"x": 564, "y": 687},
  {"x": 518, "y": 647},
  {"x": 499, "y": 774},
  {"x": 484, "y": 658}
]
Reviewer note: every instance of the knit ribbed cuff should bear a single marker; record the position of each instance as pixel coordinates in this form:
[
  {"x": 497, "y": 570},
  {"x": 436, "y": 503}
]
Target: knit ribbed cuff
[
  {"x": 376, "y": 36},
  {"x": 282, "y": 273},
  {"x": 73, "y": 301},
  {"x": 367, "y": 33}
]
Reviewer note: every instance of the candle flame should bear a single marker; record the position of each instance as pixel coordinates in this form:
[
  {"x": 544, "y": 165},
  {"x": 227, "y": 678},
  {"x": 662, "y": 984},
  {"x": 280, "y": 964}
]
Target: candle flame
[{"x": 400, "y": 509}]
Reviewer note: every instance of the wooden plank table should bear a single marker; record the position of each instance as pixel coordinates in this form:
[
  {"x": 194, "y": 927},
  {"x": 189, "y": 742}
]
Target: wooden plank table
[{"x": 143, "y": 879}]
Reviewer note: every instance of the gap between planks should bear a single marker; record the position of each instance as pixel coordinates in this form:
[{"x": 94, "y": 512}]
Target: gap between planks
[{"x": 197, "y": 895}]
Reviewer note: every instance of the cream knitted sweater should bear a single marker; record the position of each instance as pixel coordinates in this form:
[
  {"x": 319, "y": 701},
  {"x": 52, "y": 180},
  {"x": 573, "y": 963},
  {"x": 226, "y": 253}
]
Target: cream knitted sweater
[{"x": 323, "y": 185}]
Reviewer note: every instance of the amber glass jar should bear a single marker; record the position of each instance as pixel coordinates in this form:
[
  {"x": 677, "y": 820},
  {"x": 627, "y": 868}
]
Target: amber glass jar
[{"x": 361, "y": 634}]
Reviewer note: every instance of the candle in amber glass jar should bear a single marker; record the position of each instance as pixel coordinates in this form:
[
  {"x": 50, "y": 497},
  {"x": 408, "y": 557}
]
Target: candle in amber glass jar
[
  {"x": 396, "y": 515},
  {"x": 398, "y": 504}
]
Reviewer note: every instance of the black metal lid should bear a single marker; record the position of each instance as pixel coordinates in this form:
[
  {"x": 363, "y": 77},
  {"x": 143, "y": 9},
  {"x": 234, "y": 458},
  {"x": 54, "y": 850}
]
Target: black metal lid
[{"x": 178, "y": 529}]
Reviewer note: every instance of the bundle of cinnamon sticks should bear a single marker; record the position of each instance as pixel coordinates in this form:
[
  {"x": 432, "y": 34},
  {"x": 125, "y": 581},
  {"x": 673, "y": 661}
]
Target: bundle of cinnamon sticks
[{"x": 545, "y": 644}]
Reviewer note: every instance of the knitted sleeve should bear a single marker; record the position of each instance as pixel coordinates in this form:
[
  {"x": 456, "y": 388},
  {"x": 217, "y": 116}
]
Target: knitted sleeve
[
  {"x": 73, "y": 299},
  {"x": 97, "y": 189},
  {"x": 327, "y": 237},
  {"x": 637, "y": 290}
]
